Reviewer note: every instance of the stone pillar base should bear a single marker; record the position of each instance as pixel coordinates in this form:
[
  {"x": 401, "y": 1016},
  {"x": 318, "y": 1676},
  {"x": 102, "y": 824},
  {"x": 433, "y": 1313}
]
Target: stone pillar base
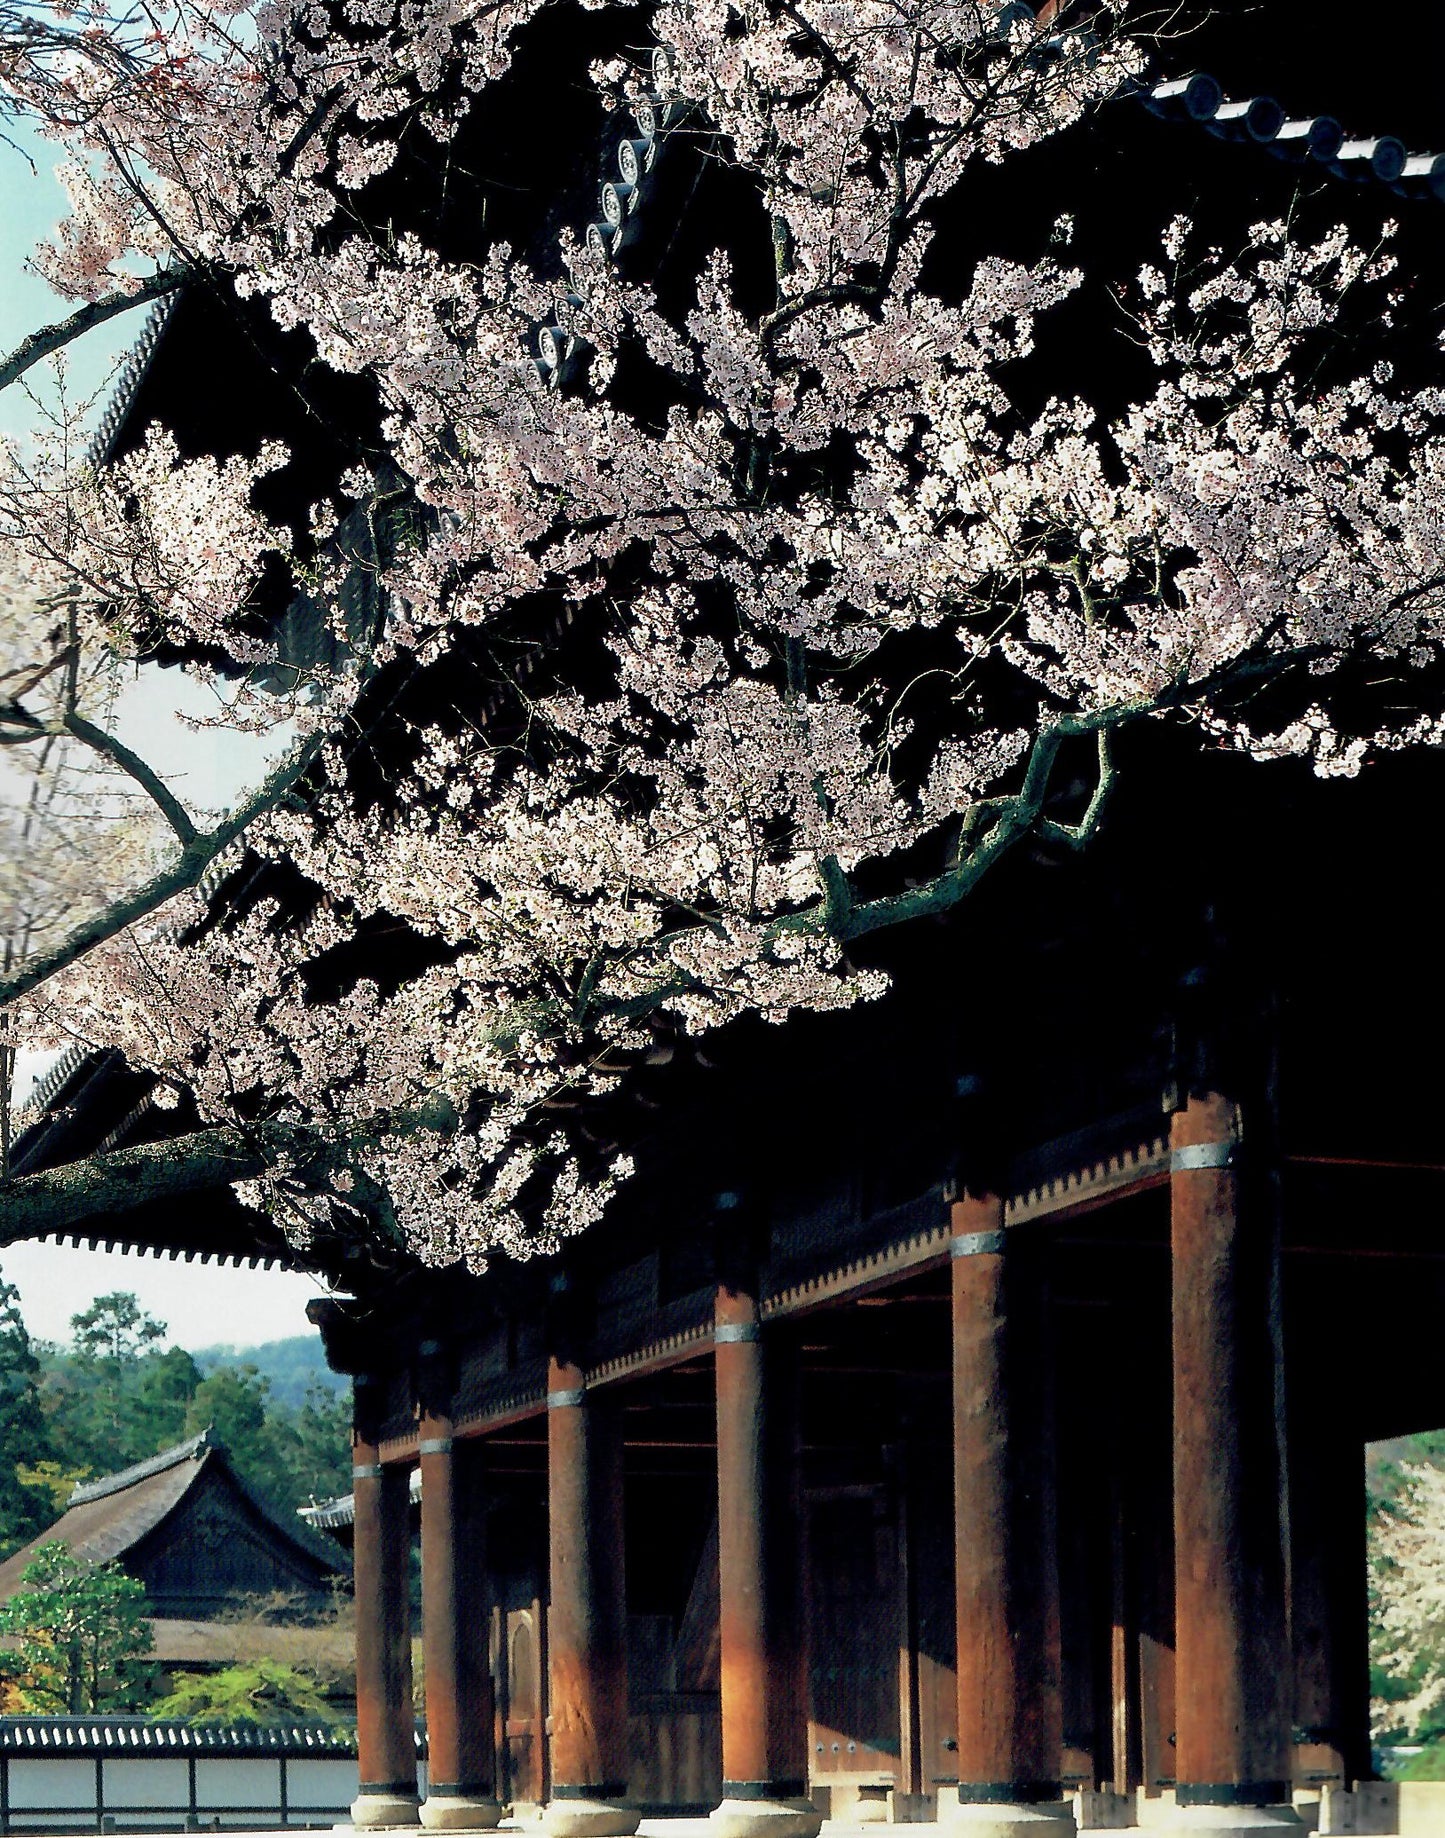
[
  {"x": 375, "y": 1811},
  {"x": 765, "y": 1819},
  {"x": 460, "y": 1812},
  {"x": 588, "y": 1819},
  {"x": 1236, "y": 1822},
  {"x": 1007, "y": 1818}
]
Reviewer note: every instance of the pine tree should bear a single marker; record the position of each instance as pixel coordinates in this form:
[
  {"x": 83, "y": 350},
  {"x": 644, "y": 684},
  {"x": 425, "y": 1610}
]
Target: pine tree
[{"x": 25, "y": 1510}]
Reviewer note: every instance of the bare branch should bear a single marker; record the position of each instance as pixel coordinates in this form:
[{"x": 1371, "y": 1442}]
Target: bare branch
[
  {"x": 51, "y": 338},
  {"x": 135, "y": 767},
  {"x": 184, "y": 873}
]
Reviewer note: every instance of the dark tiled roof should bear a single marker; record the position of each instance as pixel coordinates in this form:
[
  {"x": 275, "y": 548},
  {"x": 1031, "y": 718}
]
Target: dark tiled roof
[
  {"x": 132, "y": 371},
  {"x": 190, "y": 1450},
  {"x": 118, "y": 1735}
]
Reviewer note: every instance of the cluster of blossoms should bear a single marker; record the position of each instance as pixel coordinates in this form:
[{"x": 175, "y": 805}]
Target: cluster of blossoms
[
  {"x": 1407, "y": 1586},
  {"x": 676, "y": 830}
]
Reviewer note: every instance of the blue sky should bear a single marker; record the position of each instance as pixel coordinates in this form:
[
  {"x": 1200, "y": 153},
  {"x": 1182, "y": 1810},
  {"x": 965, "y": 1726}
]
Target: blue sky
[{"x": 31, "y": 203}]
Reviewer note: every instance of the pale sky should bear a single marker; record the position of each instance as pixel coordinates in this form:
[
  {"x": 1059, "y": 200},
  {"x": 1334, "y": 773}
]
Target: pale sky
[
  {"x": 204, "y": 1305},
  {"x": 31, "y": 203}
]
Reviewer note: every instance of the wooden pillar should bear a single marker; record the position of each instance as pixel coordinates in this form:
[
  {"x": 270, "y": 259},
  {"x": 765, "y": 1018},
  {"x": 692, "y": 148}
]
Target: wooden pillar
[
  {"x": 459, "y": 1710},
  {"x": 587, "y": 1617},
  {"x": 385, "y": 1734},
  {"x": 1232, "y": 1681},
  {"x": 1329, "y": 1608},
  {"x": 1009, "y": 1719},
  {"x": 764, "y": 1682},
  {"x": 1150, "y": 1508}
]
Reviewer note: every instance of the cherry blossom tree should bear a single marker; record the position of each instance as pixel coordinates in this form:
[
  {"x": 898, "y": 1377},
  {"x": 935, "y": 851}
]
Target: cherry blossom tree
[
  {"x": 831, "y": 606},
  {"x": 1407, "y": 1586}
]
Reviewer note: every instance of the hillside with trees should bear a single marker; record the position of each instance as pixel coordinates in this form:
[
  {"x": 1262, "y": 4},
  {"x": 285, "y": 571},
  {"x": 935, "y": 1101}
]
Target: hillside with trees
[
  {"x": 116, "y": 1395},
  {"x": 295, "y": 1367}
]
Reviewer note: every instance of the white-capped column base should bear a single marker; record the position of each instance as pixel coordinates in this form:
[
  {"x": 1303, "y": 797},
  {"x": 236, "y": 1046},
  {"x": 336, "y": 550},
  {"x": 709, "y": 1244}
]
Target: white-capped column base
[
  {"x": 765, "y": 1819},
  {"x": 1006, "y": 1818},
  {"x": 1236, "y": 1822},
  {"x": 588, "y": 1819},
  {"x": 459, "y": 1812},
  {"x": 372, "y": 1812}
]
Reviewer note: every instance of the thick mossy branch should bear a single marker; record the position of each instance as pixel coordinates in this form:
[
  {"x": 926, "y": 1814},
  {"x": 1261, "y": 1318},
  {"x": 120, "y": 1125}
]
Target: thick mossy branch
[{"x": 59, "y": 1199}]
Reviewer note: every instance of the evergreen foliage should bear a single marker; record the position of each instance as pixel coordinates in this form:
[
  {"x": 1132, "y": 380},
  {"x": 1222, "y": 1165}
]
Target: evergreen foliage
[
  {"x": 295, "y": 1366},
  {"x": 79, "y": 1637},
  {"x": 25, "y": 1502}
]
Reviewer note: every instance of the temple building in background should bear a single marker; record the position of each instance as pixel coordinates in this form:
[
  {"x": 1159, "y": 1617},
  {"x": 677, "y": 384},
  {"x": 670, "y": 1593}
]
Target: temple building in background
[{"x": 226, "y": 1576}]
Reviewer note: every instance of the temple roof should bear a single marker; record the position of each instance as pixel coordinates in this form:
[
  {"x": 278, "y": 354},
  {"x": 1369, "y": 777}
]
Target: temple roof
[
  {"x": 335, "y": 1515},
  {"x": 90, "y": 1102},
  {"x": 109, "y": 1517}
]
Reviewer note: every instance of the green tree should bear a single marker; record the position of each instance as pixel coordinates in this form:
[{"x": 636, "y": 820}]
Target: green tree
[
  {"x": 320, "y": 1456},
  {"x": 258, "y": 1691},
  {"x": 233, "y": 1402},
  {"x": 80, "y": 1636},
  {"x": 25, "y": 1509},
  {"x": 115, "y": 1396},
  {"x": 159, "y": 1399}
]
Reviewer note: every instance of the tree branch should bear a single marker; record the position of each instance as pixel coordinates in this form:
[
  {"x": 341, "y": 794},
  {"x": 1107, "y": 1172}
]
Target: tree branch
[
  {"x": 55, "y": 337},
  {"x": 135, "y": 767},
  {"x": 58, "y": 1198},
  {"x": 186, "y": 872}
]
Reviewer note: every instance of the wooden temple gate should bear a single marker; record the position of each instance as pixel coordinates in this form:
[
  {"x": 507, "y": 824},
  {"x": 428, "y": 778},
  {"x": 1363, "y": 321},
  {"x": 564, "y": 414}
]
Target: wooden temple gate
[{"x": 967, "y": 1555}]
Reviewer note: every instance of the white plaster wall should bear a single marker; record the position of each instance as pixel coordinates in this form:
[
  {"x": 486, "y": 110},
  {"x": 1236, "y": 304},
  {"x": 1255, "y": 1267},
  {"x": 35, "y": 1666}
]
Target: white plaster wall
[
  {"x": 151, "y": 1780},
  {"x": 324, "y": 1786},
  {"x": 228, "y": 1782},
  {"x": 64, "y": 1781}
]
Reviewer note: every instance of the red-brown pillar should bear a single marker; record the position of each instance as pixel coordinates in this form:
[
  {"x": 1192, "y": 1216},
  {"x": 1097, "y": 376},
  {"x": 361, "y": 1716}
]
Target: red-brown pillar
[
  {"x": 587, "y": 1618},
  {"x": 1010, "y": 1732},
  {"x": 459, "y": 1711},
  {"x": 1232, "y": 1681},
  {"x": 385, "y": 1734},
  {"x": 764, "y": 1684}
]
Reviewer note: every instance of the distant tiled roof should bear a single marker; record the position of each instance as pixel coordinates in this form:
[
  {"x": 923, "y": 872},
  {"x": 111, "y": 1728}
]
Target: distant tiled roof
[
  {"x": 112, "y": 1735},
  {"x": 111, "y": 1515},
  {"x": 327, "y": 1515},
  {"x": 177, "y": 1641}
]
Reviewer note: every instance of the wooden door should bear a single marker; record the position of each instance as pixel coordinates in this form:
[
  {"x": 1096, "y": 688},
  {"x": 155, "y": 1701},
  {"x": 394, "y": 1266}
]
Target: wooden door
[
  {"x": 856, "y": 1631},
  {"x": 523, "y": 1695}
]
